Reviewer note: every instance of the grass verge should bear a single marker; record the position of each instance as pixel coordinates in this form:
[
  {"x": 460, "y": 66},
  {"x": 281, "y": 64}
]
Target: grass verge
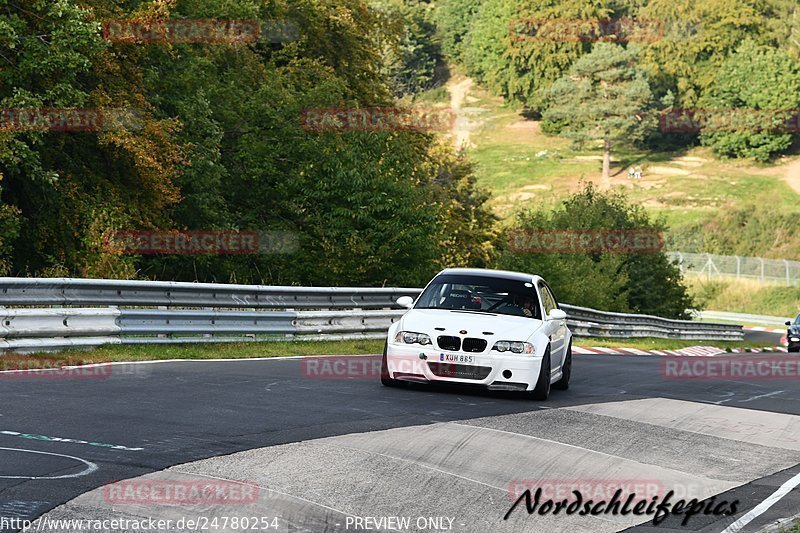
[
  {"x": 149, "y": 352},
  {"x": 745, "y": 296},
  {"x": 124, "y": 353}
]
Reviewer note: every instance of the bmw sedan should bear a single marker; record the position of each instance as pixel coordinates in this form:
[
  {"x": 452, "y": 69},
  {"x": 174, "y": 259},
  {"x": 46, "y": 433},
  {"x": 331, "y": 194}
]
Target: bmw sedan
[{"x": 497, "y": 329}]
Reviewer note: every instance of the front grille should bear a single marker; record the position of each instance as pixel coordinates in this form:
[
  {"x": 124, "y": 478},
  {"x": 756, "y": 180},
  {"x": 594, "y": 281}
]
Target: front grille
[
  {"x": 449, "y": 370},
  {"x": 474, "y": 345},
  {"x": 447, "y": 342}
]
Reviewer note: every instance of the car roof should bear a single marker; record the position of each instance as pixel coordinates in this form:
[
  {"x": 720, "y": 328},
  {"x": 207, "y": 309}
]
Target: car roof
[{"x": 504, "y": 274}]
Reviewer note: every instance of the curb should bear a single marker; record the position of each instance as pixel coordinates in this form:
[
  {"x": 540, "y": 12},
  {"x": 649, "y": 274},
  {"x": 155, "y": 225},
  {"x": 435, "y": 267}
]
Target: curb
[
  {"x": 761, "y": 328},
  {"x": 694, "y": 351}
]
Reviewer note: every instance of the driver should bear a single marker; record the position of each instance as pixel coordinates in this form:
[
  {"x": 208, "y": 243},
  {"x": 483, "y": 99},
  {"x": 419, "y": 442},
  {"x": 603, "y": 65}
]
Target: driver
[
  {"x": 527, "y": 307},
  {"x": 525, "y": 303}
]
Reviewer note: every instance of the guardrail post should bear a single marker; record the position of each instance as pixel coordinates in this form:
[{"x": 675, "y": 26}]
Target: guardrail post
[{"x": 162, "y": 335}]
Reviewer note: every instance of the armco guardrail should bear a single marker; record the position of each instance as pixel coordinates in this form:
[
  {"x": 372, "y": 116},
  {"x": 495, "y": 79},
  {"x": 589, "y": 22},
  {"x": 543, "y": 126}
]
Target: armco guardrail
[
  {"x": 68, "y": 291},
  {"x": 226, "y": 313},
  {"x": 32, "y": 330}
]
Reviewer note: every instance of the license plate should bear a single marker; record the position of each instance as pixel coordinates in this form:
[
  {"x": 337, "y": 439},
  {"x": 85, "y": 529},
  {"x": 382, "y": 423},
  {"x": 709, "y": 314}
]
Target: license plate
[{"x": 457, "y": 358}]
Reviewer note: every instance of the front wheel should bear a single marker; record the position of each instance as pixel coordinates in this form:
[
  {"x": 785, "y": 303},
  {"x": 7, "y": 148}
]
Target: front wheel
[
  {"x": 566, "y": 371},
  {"x": 542, "y": 389}
]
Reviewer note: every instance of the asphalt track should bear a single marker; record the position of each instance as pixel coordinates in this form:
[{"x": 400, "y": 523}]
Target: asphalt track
[
  {"x": 768, "y": 338},
  {"x": 320, "y": 452}
]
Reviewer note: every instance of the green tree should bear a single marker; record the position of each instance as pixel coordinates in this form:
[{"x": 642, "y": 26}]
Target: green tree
[
  {"x": 411, "y": 60},
  {"x": 698, "y": 38},
  {"x": 755, "y": 78},
  {"x": 61, "y": 184},
  {"x": 221, "y": 148},
  {"x": 620, "y": 282},
  {"x": 499, "y": 52},
  {"x": 530, "y": 66},
  {"x": 467, "y": 226},
  {"x": 604, "y": 97},
  {"x": 454, "y": 19}
]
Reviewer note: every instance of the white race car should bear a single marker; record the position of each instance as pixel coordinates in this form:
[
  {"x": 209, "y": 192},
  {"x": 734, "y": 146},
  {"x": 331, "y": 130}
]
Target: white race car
[{"x": 501, "y": 330}]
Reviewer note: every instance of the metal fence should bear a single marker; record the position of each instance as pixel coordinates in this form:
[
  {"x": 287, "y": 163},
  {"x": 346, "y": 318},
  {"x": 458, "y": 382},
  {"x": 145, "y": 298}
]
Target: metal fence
[
  {"x": 139, "y": 312},
  {"x": 734, "y": 266}
]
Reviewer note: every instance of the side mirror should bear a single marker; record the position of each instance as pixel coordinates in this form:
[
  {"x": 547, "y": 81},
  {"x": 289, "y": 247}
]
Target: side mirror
[
  {"x": 788, "y": 322},
  {"x": 406, "y": 301},
  {"x": 557, "y": 314}
]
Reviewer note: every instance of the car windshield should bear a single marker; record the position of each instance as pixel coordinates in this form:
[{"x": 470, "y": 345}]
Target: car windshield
[
  {"x": 481, "y": 294},
  {"x": 797, "y": 320}
]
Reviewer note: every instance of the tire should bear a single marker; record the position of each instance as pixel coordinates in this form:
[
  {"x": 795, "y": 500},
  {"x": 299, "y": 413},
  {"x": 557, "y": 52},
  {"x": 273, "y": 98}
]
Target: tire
[
  {"x": 542, "y": 389},
  {"x": 385, "y": 379},
  {"x": 566, "y": 371},
  {"x": 794, "y": 350}
]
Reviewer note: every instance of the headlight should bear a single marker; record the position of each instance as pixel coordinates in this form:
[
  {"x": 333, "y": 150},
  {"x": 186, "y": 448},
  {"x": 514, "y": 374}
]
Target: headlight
[
  {"x": 513, "y": 347},
  {"x": 409, "y": 337}
]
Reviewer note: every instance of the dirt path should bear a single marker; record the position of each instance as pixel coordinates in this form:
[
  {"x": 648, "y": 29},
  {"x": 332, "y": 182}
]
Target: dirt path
[
  {"x": 458, "y": 97},
  {"x": 792, "y": 175}
]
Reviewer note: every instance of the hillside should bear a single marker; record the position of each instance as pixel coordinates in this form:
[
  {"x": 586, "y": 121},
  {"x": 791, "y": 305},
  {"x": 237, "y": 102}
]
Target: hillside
[{"x": 692, "y": 189}]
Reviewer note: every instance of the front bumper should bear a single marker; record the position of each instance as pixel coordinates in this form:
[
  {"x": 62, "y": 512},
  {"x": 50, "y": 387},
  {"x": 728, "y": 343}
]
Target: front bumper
[
  {"x": 494, "y": 370},
  {"x": 793, "y": 345}
]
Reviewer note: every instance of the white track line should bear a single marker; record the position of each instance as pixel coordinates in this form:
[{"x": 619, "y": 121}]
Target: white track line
[
  {"x": 158, "y": 361},
  {"x": 759, "y": 509},
  {"x": 90, "y": 467}
]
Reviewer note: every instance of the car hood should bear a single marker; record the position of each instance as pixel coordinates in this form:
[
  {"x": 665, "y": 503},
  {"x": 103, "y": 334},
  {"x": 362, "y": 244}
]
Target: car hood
[
  {"x": 794, "y": 329},
  {"x": 504, "y": 327}
]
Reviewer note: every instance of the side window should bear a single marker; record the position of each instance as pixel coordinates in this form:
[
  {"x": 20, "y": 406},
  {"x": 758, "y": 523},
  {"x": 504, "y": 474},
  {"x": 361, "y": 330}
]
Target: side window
[
  {"x": 548, "y": 302},
  {"x": 552, "y": 296}
]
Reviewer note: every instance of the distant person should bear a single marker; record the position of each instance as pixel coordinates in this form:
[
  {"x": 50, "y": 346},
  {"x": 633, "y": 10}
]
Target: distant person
[
  {"x": 637, "y": 175},
  {"x": 631, "y": 173}
]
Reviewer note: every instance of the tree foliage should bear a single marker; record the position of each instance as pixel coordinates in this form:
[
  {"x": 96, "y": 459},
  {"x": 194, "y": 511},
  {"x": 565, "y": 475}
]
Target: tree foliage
[
  {"x": 683, "y": 55},
  {"x": 620, "y": 282},
  {"x": 411, "y": 61},
  {"x": 603, "y": 97},
  {"x": 221, "y": 147},
  {"x": 755, "y": 78},
  {"x": 454, "y": 19}
]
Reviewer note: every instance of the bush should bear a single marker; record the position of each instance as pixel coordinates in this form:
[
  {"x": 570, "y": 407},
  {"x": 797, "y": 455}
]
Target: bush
[{"x": 620, "y": 282}]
